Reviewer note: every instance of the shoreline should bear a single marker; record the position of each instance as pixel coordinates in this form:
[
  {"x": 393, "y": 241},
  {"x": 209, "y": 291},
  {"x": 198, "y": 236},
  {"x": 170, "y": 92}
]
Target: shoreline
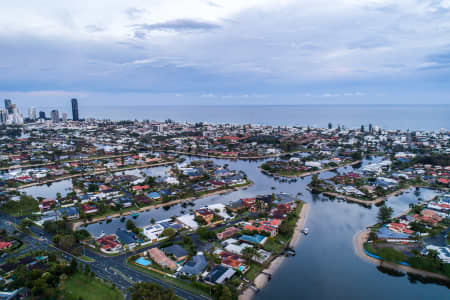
[
  {"x": 368, "y": 202},
  {"x": 228, "y": 157},
  {"x": 358, "y": 246},
  {"x": 75, "y": 225},
  {"x": 262, "y": 279},
  {"x": 98, "y": 172},
  {"x": 305, "y": 174}
]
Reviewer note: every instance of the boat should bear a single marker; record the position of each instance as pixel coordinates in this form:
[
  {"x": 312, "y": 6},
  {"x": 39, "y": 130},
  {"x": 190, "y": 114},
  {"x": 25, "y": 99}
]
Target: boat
[
  {"x": 135, "y": 214},
  {"x": 305, "y": 231}
]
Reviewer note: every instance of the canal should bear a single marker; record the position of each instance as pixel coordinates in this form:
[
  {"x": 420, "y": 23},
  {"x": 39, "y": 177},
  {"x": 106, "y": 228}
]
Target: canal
[{"x": 325, "y": 266}]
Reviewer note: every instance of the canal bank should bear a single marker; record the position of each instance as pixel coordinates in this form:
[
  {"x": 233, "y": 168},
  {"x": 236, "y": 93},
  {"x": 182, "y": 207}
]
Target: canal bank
[
  {"x": 263, "y": 278},
  {"x": 361, "y": 237},
  {"x": 326, "y": 266}
]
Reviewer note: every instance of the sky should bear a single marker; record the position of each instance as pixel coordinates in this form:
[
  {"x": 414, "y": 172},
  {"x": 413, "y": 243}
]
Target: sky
[{"x": 219, "y": 52}]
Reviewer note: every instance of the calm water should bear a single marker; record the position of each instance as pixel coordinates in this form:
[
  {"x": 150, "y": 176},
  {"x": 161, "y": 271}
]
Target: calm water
[
  {"x": 325, "y": 266},
  {"x": 426, "y": 117}
]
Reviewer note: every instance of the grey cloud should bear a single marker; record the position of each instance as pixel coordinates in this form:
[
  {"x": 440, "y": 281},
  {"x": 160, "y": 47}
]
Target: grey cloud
[
  {"x": 94, "y": 28},
  {"x": 370, "y": 43},
  {"x": 213, "y": 4},
  {"x": 438, "y": 61},
  {"x": 139, "y": 35},
  {"x": 134, "y": 12},
  {"x": 178, "y": 25}
]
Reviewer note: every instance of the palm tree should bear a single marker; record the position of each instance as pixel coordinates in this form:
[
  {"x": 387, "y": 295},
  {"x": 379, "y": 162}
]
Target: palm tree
[{"x": 248, "y": 253}]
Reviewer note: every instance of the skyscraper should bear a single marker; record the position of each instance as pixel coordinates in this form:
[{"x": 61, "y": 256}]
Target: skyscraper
[
  {"x": 75, "y": 109},
  {"x": 64, "y": 117},
  {"x": 55, "y": 116},
  {"x": 32, "y": 113},
  {"x": 3, "y": 116},
  {"x": 42, "y": 115},
  {"x": 9, "y": 106}
]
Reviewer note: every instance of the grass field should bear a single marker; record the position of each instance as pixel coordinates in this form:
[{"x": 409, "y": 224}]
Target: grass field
[
  {"x": 183, "y": 284},
  {"x": 80, "y": 286}
]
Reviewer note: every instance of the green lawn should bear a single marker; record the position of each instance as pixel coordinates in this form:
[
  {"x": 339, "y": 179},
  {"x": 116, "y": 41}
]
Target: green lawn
[
  {"x": 273, "y": 245},
  {"x": 183, "y": 284},
  {"x": 80, "y": 286},
  {"x": 255, "y": 270}
]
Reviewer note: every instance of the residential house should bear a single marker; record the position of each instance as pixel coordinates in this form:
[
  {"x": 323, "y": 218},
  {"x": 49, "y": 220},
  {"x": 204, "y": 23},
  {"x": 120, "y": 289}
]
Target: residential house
[
  {"x": 161, "y": 259},
  {"x": 177, "y": 252},
  {"x": 195, "y": 265},
  {"x": 227, "y": 233}
]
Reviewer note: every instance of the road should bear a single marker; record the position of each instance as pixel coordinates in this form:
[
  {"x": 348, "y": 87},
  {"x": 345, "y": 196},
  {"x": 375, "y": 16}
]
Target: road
[{"x": 109, "y": 268}]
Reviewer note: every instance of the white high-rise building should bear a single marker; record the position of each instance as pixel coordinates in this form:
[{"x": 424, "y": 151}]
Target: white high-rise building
[
  {"x": 64, "y": 117},
  {"x": 14, "y": 118},
  {"x": 32, "y": 113}
]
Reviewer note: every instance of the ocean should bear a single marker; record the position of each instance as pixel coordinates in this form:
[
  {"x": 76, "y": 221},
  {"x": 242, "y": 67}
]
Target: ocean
[{"x": 413, "y": 117}]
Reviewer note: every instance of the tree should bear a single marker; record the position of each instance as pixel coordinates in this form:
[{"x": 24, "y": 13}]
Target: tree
[
  {"x": 222, "y": 292},
  {"x": 169, "y": 232},
  {"x": 205, "y": 234},
  {"x": 248, "y": 253},
  {"x": 384, "y": 214},
  {"x": 26, "y": 224},
  {"x": 87, "y": 270},
  {"x": 357, "y": 155},
  {"x": 315, "y": 180},
  {"x": 130, "y": 225},
  {"x": 66, "y": 241},
  {"x": 432, "y": 254},
  {"x": 73, "y": 265},
  {"x": 62, "y": 280},
  {"x": 151, "y": 291},
  {"x": 92, "y": 187}
]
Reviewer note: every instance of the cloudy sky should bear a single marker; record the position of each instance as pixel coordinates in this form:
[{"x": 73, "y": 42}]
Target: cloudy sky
[{"x": 225, "y": 51}]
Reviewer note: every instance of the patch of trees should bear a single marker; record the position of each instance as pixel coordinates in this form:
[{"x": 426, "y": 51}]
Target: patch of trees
[
  {"x": 206, "y": 234},
  {"x": 45, "y": 283},
  {"x": 64, "y": 237},
  {"x": 385, "y": 214},
  {"x": 26, "y": 204},
  {"x": 151, "y": 291},
  {"x": 130, "y": 225},
  {"x": 441, "y": 159}
]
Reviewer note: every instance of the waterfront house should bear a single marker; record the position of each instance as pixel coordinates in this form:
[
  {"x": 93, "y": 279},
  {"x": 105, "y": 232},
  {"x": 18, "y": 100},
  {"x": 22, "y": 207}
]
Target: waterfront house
[
  {"x": 263, "y": 225},
  {"x": 46, "y": 204},
  {"x": 89, "y": 208},
  {"x": 70, "y": 212},
  {"x": 384, "y": 233},
  {"x": 154, "y": 195},
  {"x": 153, "y": 232},
  {"x": 400, "y": 227},
  {"x": 386, "y": 183},
  {"x": 237, "y": 249},
  {"x": 219, "y": 274},
  {"x": 255, "y": 239},
  {"x": 205, "y": 213},
  {"x": 108, "y": 243},
  {"x": 126, "y": 237}
]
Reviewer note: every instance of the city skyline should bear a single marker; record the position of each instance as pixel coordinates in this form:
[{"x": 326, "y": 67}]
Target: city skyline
[{"x": 219, "y": 52}]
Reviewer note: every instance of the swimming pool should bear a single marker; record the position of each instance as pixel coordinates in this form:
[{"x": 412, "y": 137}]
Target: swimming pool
[{"x": 143, "y": 262}]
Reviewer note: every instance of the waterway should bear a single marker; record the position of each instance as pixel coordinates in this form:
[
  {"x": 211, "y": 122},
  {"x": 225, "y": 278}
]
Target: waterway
[{"x": 325, "y": 266}]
